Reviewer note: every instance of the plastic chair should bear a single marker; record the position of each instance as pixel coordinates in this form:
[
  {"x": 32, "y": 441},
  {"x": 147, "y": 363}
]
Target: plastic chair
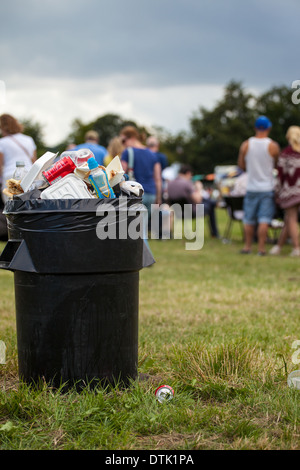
[{"x": 234, "y": 206}]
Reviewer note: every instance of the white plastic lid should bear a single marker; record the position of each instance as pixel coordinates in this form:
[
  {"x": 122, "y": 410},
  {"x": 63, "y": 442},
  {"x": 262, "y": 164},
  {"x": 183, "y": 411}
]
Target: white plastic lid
[{"x": 69, "y": 187}]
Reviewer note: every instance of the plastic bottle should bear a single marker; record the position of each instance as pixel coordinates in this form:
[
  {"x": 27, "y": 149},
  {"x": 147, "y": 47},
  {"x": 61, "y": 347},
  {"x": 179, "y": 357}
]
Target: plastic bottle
[
  {"x": 20, "y": 171},
  {"x": 99, "y": 180}
]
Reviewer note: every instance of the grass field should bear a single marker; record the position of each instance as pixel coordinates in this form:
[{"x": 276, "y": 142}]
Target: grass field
[{"x": 215, "y": 325}]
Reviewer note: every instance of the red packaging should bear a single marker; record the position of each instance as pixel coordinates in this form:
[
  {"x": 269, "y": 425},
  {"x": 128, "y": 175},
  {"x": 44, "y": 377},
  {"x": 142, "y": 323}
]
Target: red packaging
[{"x": 63, "y": 167}]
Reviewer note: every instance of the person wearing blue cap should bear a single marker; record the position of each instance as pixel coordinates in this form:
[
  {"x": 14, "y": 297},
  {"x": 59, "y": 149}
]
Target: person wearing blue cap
[
  {"x": 263, "y": 123},
  {"x": 258, "y": 156}
]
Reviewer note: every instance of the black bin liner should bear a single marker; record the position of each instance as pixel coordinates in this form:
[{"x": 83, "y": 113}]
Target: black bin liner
[{"x": 76, "y": 296}]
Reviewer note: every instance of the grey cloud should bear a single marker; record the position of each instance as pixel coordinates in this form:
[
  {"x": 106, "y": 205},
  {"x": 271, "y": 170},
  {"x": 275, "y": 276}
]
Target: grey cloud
[{"x": 157, "y": 43}]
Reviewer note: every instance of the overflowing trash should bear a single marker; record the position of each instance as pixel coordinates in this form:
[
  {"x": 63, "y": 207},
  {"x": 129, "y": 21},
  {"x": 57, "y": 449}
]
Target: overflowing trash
[{"x": 73, "y": 174}]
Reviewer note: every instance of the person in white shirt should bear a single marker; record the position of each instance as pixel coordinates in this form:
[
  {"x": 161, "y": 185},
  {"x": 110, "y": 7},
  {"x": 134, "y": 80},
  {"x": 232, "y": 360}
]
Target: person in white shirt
[
  {"x": 14, "y": 146},
  {"x": 258, "y": 156}
]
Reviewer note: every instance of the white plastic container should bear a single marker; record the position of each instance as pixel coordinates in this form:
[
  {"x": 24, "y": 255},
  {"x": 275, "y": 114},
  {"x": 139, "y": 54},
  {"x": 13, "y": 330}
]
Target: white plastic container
[
  {"x": 35, "y": 172},
  {"x": 69, "y": 187}
]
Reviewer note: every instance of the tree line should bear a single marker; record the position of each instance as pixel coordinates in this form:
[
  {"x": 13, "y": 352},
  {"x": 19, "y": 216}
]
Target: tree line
[{"x": 214, "y": 135}]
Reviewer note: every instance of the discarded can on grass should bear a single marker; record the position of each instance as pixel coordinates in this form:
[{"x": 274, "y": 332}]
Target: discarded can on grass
[
  {"x": 164, "y": 393},
  {"x": 63, "y": 167}
]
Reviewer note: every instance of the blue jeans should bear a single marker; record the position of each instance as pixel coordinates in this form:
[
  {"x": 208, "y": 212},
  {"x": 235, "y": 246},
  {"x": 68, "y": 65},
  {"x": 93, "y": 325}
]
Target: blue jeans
[
  {"x": 259, "y": 207},
  {"x": 209, "y": 209}
]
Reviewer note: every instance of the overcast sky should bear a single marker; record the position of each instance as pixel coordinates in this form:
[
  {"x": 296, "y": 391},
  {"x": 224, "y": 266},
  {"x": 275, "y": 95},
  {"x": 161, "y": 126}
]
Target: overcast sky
[{"x": 152, "y": 61}]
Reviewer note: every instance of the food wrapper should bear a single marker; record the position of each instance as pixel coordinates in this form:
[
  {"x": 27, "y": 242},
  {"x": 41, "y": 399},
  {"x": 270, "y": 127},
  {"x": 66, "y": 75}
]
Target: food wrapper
[{"x": 115, "y": 171}]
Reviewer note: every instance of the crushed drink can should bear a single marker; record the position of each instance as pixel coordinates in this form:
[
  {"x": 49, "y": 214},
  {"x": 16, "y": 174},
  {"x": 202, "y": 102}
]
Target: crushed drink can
[
  {"x": 164, "y": 393},
  {"x": 61, "y": 168}
]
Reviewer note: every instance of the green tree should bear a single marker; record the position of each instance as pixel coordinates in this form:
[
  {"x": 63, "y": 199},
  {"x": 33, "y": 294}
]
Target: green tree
[
  {"x": 107, "y": 126},
  {"x": 278, "y": 106},
  {"x": 174, "y": 146},
  {"x": 35, "y": 130},
  {"x": 216, "y": 134}
]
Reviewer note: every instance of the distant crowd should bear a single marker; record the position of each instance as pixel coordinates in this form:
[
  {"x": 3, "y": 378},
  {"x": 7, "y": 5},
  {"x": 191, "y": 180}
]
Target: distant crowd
[{"x": 269, "y": 177}]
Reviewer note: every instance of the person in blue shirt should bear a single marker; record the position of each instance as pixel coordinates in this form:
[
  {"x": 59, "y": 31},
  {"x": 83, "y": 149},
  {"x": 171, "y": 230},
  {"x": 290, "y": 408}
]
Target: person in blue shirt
[
  {"x": 146, "y": 169},
  {"x": 92, "y": 143},
  {"x": 153, "y": 144},
  {"x": 146, "y": 166}
]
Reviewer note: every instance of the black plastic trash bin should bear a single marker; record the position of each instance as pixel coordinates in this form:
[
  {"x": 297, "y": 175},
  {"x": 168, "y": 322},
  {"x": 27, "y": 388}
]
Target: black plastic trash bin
[{"x": 76, "y": 296}]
